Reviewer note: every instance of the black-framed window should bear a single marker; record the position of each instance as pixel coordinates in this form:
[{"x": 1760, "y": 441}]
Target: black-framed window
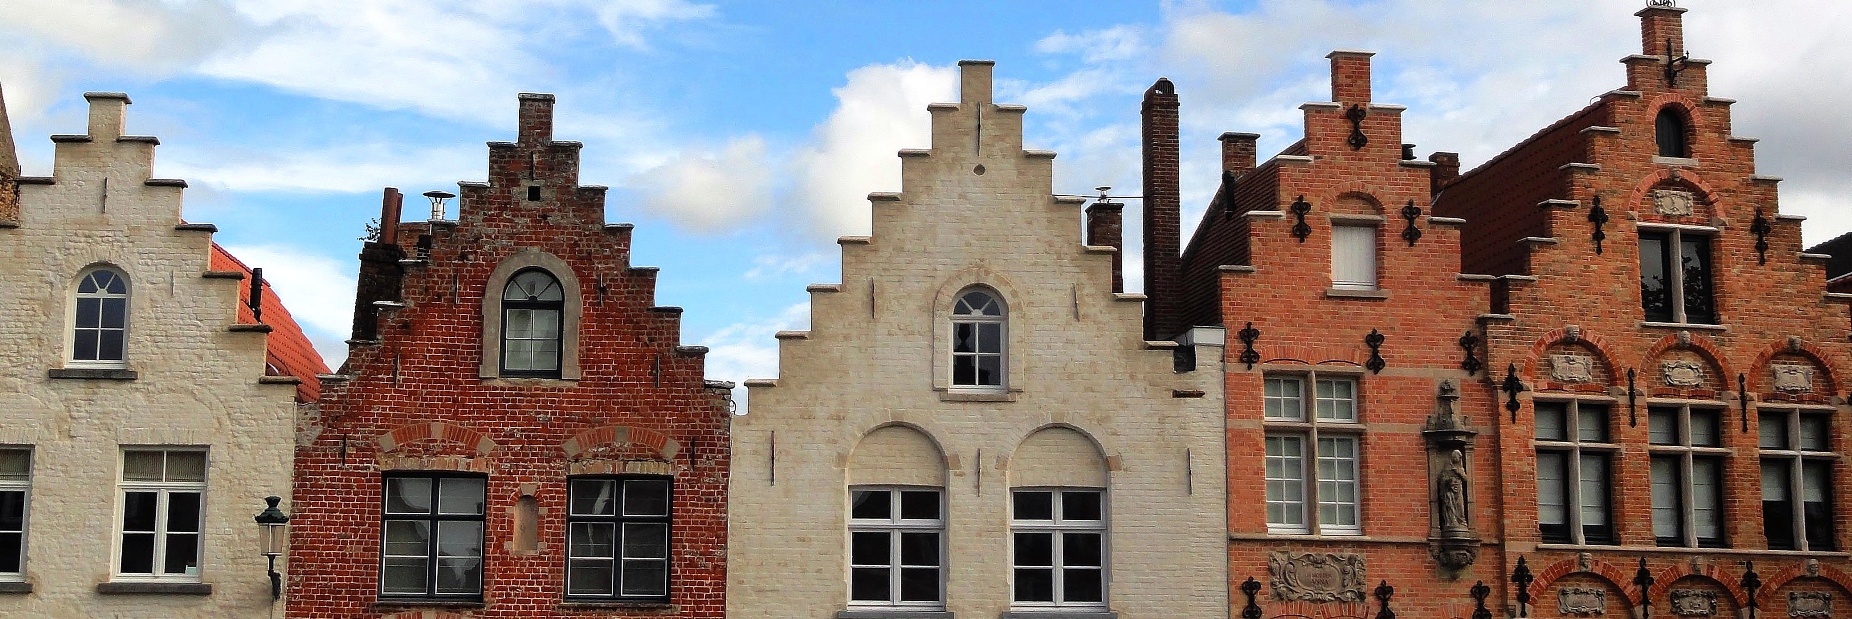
[
  {"x": 1687, "y": 475},
  {"x": 100, "y": 319},
  {"x": 15, "y": 490},
  {"x": 1669, "y": 133},
  {"x": 432, "y": 535},
  {"x": 1797, "y": 478},
  {"x": 896, "y": 547},
  {"x": 1058, "y": 548},
  {"x": 618, "y": 532},
  {"x": 1573, "y": 458},
  {"x": 533, "y": 305},
  {"x": 978, "y": 321},
  {"x": 1675, "y": 277},
  {"x": 163, "y": 510}
]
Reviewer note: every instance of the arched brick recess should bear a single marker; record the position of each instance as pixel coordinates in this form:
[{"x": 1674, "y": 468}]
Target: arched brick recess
[
  {"x": 1685, "y": 175},
  {"x": 621, "y": 435},
  {"x": 406, "y": 434},
  {"x": 1533, "y": 362},
  {"x": 1807, "y": 349},
  {"x": 1600, "y": 569},
  {"x": 1663, "y": 581},
  {"x": 1702, "y": 344},
  {"x": 1774, "y": 582}
]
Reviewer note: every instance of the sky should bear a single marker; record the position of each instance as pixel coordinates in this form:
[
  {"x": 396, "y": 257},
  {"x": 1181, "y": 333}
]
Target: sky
[{"x": 742, "y": 137}]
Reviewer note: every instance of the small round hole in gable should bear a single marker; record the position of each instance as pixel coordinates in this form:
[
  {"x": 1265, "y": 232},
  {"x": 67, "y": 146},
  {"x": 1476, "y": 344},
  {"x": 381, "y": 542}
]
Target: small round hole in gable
[{"x": 979, "y": 170}]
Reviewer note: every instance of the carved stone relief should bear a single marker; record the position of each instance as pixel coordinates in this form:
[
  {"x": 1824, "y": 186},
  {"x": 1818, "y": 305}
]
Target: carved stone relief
[
  {"x": 1311, "y": 577},
  {"x": 1694, "y": 602},
  {"x": 1673, "y": 202},
  {"x": 1811, "y": 604},
  {"x": 1571, "y": 369},
  {"x": 1682, "y": 373},
  {"x": 1581, "y": 601},
  {"x": 1791, "y": 378}
]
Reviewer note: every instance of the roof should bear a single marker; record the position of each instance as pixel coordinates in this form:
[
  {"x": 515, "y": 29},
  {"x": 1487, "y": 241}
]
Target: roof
[{"x": 287, "y": 351}]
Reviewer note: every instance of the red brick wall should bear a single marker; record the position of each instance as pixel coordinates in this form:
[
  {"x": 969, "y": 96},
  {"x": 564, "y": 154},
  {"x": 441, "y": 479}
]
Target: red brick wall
[{"x": 424, "y": 371}]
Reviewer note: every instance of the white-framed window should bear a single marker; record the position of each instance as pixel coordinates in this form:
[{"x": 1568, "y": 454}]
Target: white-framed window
[
  {"x": 979, "y": 327},
  {"x": 1314, "y": 433},
  {"x": 1573, "y": 460},
  {"x": 896, "y": 547},
  {"x": 1353, "y": 257},
  {"x": 100, "y": 319},
  {"x": 163, "y": 509},
  {"x": 1058, "y": 548},
  {"x": 617, "y": 531},
  {"x": 1687, "y": 474},
  {"x": 1675, "y": 276},
  {"x": 15, "y": 491},
  {"x": 532, "y": 306},
  {"x": 1797, "y": 477},
  {"x": 432, "y": 535}
]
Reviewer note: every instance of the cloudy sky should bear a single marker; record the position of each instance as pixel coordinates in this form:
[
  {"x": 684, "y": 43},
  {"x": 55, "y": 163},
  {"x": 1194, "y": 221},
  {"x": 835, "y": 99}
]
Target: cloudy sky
[{"x": 742, "y": 137}]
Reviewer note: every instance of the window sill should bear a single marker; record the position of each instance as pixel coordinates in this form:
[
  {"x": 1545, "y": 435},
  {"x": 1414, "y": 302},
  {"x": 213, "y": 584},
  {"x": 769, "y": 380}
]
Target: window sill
[
  {"x": 1684, "y": 325},
  {"x": 1356, "y": 293},
  {"x": 1058, "y": 614},
  {"x": 153, "y": 588},
  {"x": 395, "y": 604},
  {"x": 976, "y": 396},
  {"x": 16, "y": 588},
  {"x": 653, "y": 608},
  {"x": 893, "y": 613},
  {"x": 93, "y": 373}
]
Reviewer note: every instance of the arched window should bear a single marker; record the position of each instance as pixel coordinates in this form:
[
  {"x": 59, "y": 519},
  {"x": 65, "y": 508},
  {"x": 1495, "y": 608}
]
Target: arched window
[
  {"x": 977, "y": 340},
  {"x": 532, "y": 303},
  {"x": 1669, "y": 130},
  {"x": 100, "y": 323}
]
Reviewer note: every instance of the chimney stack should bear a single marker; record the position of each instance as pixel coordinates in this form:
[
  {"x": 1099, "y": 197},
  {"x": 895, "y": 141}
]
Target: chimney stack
[
  {"x": 381, "y": 276},
  {"x": 1446, "y": 168},
  {"x": 536, "y": 120},
  {"x": 1163, "y": 212},
  {"x": 390, "y": 205},
  {"x": 1350, "y": 76},
  {"x": 1660, "y": 24},
  {"x": 1106, "y": 228},
  {"x": 1239, "y": 152}
]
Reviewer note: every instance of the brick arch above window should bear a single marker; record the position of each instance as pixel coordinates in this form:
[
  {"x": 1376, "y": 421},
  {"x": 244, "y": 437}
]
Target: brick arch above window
[
  {"x": 585, "y": 443},
  {"x": 398, "y": 438},
  {"x": 1704, "y": 195},
  {"x": 1801, "y": 349},
  {"x": 1713, "y": 573},
  {"x": 531, "y": 258},
  {"x": 1601, "y": 570},
  {"x": 1774, "y": 583},
  {"x": 1700, "y": 344},
  {"x": 1537, "y": 366}
]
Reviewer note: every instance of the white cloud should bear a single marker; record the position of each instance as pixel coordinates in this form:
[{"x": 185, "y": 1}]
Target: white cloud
[
  {"x": 152, "y": 36},
  {"x": 710, "y": 191},
  {"x": 344, "y": 169},
  {"x": 1115, "y": 43},
  {"x": 318, "y": 290},
  {"x": 773, "y": 265},
  {"x": 748, "y": 349},
  {"x": 880, "y": 111}
]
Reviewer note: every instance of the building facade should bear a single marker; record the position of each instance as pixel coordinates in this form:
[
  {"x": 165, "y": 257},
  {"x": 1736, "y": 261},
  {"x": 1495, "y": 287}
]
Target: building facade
[
  {"x": 145, "y": 408},
  {"x": 974, "y": 424},
  {"x": 518, "y": 431}
]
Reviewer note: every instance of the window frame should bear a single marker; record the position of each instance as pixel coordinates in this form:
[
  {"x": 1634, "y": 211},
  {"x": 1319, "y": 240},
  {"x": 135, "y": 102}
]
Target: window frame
[
  {"x": 1684, "y": 452},
  {"x": 432, "y": 554},
  {"x": 128, "y": 303},
  {"x": 24, "y": 488},
  {"x": 895, "y": 526},
  {"x": 1679, "y": 125},
  {"x": 1374, "y": 254},
  {"x": 618, "y": 519},
  {"x": 1574, "y": 447},
  {"x": 1797, "y": 457},
  {"x": 1058, "y": 527},
  {"x": 1671, "y": 258},
  {"x": 1001, "y": 320},
  {"x": 164, "y": 490},
  {"x": 1309, "y": 429},
  {"x": 558, "y": 307}
]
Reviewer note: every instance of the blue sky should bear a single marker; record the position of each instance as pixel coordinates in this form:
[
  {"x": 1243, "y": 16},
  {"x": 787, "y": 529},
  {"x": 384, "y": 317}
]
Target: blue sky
[{"x": 740, "y": 137}]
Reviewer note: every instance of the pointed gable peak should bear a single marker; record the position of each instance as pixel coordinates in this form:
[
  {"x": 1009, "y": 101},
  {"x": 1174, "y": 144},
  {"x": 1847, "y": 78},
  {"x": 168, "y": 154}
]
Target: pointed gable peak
[{"x": 9, "y": 158}]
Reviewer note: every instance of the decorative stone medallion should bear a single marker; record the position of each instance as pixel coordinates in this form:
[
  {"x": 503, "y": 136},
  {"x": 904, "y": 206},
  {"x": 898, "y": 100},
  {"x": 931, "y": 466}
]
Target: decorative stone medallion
[
  {"x": 1328, "y": 577},
  {"x": 1582, "y": 601},
  {"x": 1792, "y": 378},
  {"x": 1672, "y": 202},
  {"x": 1811, "y": 604},
  {"x": 1694, "y": 602},
  {"x": 1571, "y": 369},
  {"x": 1682, "y": 373}
]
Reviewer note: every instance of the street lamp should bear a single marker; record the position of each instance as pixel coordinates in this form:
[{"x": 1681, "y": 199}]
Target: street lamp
[{"x": 273, "y": 521}]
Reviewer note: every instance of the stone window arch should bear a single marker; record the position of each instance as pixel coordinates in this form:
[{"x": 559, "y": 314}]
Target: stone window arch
[
  {"x": 524, "y": 275},
  {"x": 897, "y": 513},
  {"x": 100, "y": 319},
  {"x": 532, "y": 305},
  {"x": 980, "y": 336}
]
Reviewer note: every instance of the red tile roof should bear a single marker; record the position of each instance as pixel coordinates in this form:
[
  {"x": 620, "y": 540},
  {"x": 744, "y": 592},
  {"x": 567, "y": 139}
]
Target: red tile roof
[{"x": 288, "y": 351}]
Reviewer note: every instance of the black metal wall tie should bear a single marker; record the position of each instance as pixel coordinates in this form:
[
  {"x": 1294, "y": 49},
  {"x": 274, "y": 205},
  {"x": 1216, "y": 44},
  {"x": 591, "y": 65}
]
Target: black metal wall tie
[
  {"x": 1599, "y": 217},
  {"x": 1383, "y": 593},
  {"x": 1750, "y": 583},
  {"x": 1512, "y": 386},
  {"x": 1355, "y": 115},
  {"x": 1760, "y": 228},
  {"x": 1479, "y": 593},
  {"x": 1742, "y": 399},
  {"x": 1250, "y": 588},
  {"x": 1411, "y": 233},
  {"x": 1248, "y": 355},
  {"x": 1633, "y": 401},
  {"x": 1300, "y": 208},
  {"x": 1643, "y": 578},
  {"x": 1522, "y": 577},
  {"x": 1674, "y": 66},
  {"x": 1470, "y": 343},
  {"x": 1375, "y": 341}
]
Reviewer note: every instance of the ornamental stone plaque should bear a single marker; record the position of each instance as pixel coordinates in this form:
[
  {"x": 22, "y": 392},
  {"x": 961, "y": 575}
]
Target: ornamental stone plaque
[
  {"x": 1792, "y": 378},
  {"x": 1694, "y": 602},
  {"x": 1571, "y": 369},
  {"x": 1581, "y": 601},
  {"x": 1682, "y": 373},
  {"x": 1329, "y": 577},
  {"x": 1672, "y": 202},
  {"x": 1810, "y": 604}
]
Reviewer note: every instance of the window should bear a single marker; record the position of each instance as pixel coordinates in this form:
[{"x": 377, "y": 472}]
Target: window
[
  {"x": 1687, "y": 477},
  {"x": 1797, "y": 461},
  {"x": 1669, "y": 132},
  {"x": 15, "y": 485},
  {"x": 100, "y": 320},
  {"x": 1319, "y": 433},
  {"x": 1573, "y": 454},
  {"x": 896, "y": 547},
  {"x": 531, "y": 307},
  {"x": 432, "y": 536},
  {"x": 1675, "y": 277},
  {"x": 1353, "y": 257},
  {"x": 977, "y": 340},
  {"x": 163, "y": 500},
  {"x": 1059, "y": 543},
  {"x": 618, "y": 538}
]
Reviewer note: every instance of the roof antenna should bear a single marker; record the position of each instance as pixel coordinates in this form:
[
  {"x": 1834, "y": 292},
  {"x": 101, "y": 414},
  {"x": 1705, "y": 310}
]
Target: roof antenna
[{"x": 437, "y": 203}]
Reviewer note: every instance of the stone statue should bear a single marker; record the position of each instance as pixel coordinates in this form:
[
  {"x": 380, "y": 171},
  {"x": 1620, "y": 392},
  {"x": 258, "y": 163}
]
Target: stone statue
[{"x": 1452, "y": 492}]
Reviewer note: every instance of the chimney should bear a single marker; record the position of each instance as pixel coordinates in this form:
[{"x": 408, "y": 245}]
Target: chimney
[
  {"x": 1239, "y": 152},
  {"x": 1662, "y": 24},
  {"x": 1163, "y": 205},
  {"x": 1446, "y": 168},
  {"x": 9, "y": 169},
  {"x": 1350, "y": 76},
  {"x": 1106, "y": 227},
  {"x": 536, "y": 122},
  {"x": 380, "y": 273},
  {"x": 106, "y": 114},
  {"x": 390, "y": 205}
]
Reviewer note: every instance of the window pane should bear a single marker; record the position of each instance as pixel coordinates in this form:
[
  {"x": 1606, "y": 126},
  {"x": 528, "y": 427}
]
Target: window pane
[
  {"x": 459, "y": 575},
  {"x": 141, "y": 466},
  {"x": 109, "y": 346},
  {"x": 1815, "y": 431},
  {"x": 869, "y": 584},
  {"x": 646, "y": 540},
  {"x": 1035, "y": 585},
  {"x": 871, "y": 504},
  {"x": 182, "y": 554},
  {"x": 1816, "y": 493},
  {"x": 1081, "y": 585},
  {"x": 964, "y": 370},
  {"x": 460, "y": 496},
  {"x": 407, "y": 538},
  {"x": 1695, "y": 258},
  {"x": 113, "y": 313},
  {"x": 183, "y": 512},
  {"x": 592, "y": 540},
  {"x": 83, "y": 348},
  {"x": 408, "y": 495},
  {"x": 990, "y": 338},
  {"x": 89, "y": 313},
  {"x": 646, "y": 497},
  {"x": 646, "y": 578},
  {"x": 593, "y": 497},
  {"x": 186, "y": 466},
  {"x": 1772, "y": 430},
  {"x": 1593, "y": 493},
  {"x": 1034, "y": 505},
  {"x": 1081, "y": 550},
  {"x": 138, "y": 510},
  {"x": 1337, "y": 400},
  {"x": 1552, "y": 421},
  {"x": 964, "y": 337},
  {"x": 919, "y": 584},
  {"x": 870, "y": 548},
  {"x": 1655, "y": 279},
  {"x": 546, "y": 324},
  {"x": 1281, "y": 399},
  {"x": 1662, "y": 426},
  {"x": 1777, "y": 506},
  {"x": 459, "y": 539},
  {"x": 137, "y": 553},
  {"x": 989, "y": 370},
  {"x": 1035, "y": 549},
  {"x": 10, "y": 545},
  {"x": 919, "y": 549},
  {"x": 404, "y": 575},
  {"x": 1591, "y": 422},
  {"x": 1705, "y": 430},
  {"x": 590, "y": 577},
  {"x": 1080, "y": 505},
  {"x": 1337, "y": 482},
  {"x": 1666, "y": 509},
  {"x": 12, "y": 511},
  {"x": 1707, "y": 498},
  {"x": 1353, "y": 256},
  {"x": 1285, "y": 478},
  {"x": 919, "y": 505},
  {"x": 520, "y": 324}
]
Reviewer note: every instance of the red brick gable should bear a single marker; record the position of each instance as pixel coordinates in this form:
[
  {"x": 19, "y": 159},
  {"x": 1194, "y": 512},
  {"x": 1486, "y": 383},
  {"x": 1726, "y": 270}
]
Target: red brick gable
[{"x": 287, "y": 351}]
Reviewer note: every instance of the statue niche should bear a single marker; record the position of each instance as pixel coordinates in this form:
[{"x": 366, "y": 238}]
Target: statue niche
[{"x": 1452, "y": 540}]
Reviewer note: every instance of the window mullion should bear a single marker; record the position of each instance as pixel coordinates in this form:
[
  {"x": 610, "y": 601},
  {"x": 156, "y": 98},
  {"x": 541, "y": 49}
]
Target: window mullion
[
  {"x": 1675, "y": 269},
  {"x": 1573, "y": 484}
]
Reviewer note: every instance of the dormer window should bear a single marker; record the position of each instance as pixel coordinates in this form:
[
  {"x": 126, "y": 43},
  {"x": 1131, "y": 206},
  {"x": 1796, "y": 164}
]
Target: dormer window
[
  {"x": 1669, "y": 131},
  {"x": 532, "y": 304},
  {"x": 978, "y": 322},
  {"x": 100, "y": 320}
]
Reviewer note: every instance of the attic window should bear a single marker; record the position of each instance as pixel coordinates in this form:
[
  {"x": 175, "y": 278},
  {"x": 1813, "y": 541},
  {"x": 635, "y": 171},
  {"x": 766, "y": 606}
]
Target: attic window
[
  {"x": 533, "y": 193},
  {"x": 1669, "y": 131}
]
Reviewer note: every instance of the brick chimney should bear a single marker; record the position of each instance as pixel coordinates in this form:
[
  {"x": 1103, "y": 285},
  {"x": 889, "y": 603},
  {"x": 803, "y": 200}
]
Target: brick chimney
[
  {"x": 1658, "y": 25},
  {"x": 1350, "y": 76},
  {"x": 1106, "y": 228},
  {"x": 1163, "y": 212},
  {"x": 380, "y": 273},
  {"x": 9, "y": 169},
  {"x": 1239, "y": 152},
  {"x": 1446, "y": 168},
  {"x": 536, "y": 121}
]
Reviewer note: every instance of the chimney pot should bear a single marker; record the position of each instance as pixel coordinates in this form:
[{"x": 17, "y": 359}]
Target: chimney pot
[
  {"x": 1106, "y": 227},
  {"x": 1350, "y": 76},
  {"x": 1446, "y": 169},
  {"x": 536, "y": 118},
  {"x": 1239, "y": 152},
  {"x": 1660, "y": 25}
]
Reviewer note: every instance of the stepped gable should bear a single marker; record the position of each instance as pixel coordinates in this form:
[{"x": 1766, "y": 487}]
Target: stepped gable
[{"x": 287, "y": 351}]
